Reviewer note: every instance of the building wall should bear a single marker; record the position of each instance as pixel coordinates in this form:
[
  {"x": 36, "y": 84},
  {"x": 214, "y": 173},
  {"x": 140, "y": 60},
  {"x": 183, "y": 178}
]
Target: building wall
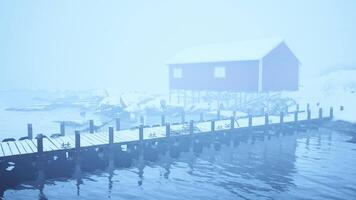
[
  {"x": 280, "y": 69},
  {"x": 241, "y": 76}
]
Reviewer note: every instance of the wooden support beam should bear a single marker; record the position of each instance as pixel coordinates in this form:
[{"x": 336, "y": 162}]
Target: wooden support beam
[
  {"x": 77, "y": 140},
  {"x": 142, "y": 120},
  {"x": 29, "y": 131},
  {"x": 91, "y": 126},
  {"x": 117, "y": 124},
  {"x": 308, "y": 114},
  {"x": 140, "y": 136}
]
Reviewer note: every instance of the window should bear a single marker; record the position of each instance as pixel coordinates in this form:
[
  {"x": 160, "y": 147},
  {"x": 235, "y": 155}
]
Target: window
[
  {"x": 219, "y": 72},
  {"x": 177, "y": 73}
]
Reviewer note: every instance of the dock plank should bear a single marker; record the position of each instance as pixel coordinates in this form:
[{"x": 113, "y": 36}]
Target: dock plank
[
  {"x": 31, "y": 145},
  {"x": 6, "y": 149},
  {"x": 25, "y": 146},
  {"x": 48, "y": 145},
  {"x": 1, "y": 150},
  {"x": 85, "y": 141},
  {"x": 13, "y": 148},
  {"x": 98, "y": 140}
]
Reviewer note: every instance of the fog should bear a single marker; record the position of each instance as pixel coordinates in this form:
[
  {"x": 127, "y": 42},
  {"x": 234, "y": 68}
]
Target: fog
[{"x": 123, "y": 45}]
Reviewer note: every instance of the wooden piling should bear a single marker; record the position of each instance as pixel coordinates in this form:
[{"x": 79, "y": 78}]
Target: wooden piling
[
  {"x": 29, "y": 131},
  {"x": 308, "y": 114},
  {"x": 142, "y": 120},
  {"x": 62, "y": 129},
  {"x": 191, "y": 127},
  {"x": 212, "y": 125},
  {"x": 218, "y": 116},
  {"x": 249, "y": 120},
  {"x": 117, "y": 124},
  {"x": 320, "y": 113},
  {"x": 331, "y": 115},
  {"x": 168, "y": 130},
  {"x": 297, "y": 108},
  {"x": 91, "y": 126},
  {"x": 308, "y": 106},
  {"x": 163, "y": 120},
  {"x": 111, "y": 137},
  {"x": 39, "y": 144},
  {"x": 234, "y": 113},
  {"x": 341, "y": 108}
]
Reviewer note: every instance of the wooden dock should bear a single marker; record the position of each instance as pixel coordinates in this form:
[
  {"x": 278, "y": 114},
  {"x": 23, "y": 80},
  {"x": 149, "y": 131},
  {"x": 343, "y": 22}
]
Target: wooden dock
[{"x": 45, "y": 144}]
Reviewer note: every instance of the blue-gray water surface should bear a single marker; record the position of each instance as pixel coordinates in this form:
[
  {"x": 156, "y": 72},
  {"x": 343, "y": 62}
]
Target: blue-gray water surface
[{"x": 317, "y": 164}]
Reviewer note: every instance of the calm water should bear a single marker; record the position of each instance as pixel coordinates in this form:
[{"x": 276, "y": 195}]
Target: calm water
[{"x": 318, "y": 164}]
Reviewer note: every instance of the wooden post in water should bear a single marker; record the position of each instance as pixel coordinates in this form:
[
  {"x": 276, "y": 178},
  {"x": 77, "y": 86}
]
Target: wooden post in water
[
  {"x": 281, "y": 116},
  {"x": 296, "y": 116},
  {"x": 232, "y": 122},
  {"x": 249, "y": 120},
  {"x": 91, "y": 126},
  {"x": 191, "y": 127},
  {"x": 117, "y": 124},
  {"x": 62, "y": 129},
  {"x": 266, "y": 119},
  {"x": 297, "y": 108},
  {"x": 331, "y": 113},
  {"x": 212, "y": 125},
  {"x": 320, "y": 113},
  {"x": 29, "y": 131},
  {"x": 168, "y": 130},
  {"x": 308, "y": 114},
  {"x": 183, "y": 117},
  {"x": 111, "y": 137},
  {"x": 308, "y": 106},
  {"x": 39, "y": 144},
  {"x": 163, "y": 120}
]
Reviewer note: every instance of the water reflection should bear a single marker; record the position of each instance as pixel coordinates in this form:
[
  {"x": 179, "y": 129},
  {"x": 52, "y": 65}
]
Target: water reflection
[{"x": 261, "y": 165}]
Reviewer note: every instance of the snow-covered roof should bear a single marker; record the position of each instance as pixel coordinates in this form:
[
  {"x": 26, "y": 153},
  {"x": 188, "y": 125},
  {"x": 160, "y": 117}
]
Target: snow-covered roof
[{"x": 234, "y": 51}]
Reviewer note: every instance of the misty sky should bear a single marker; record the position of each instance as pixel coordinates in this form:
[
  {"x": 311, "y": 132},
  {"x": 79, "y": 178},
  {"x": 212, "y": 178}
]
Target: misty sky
[{"x": 123, "y": 45}]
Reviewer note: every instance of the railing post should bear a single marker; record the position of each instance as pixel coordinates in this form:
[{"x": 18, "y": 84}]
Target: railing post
[
  {"x": 168, "y": 130},
  {"x": 191, "y": 127},
  {"x": 296, "y": 116},
  {"x": 212, "y": 125},
  {"x": 266, "y": 119},
  {"x": 117, "y": 124},
  {"x": 331, "y": 113},
  {"x": 232, "y": 122},
  {"x": 320, "y": 113},
  {"x": 281, "y": 116},
  {"x": 249, "y": 120},
  {"x": 77, "y": 141},
  {"x": 39, "y": 144},
  {"x": 62, "y": 129},
  {"x": 201, "y": 117},
  {"x": 91, "y": 126},
  {"x": 111, "y": 137},
  {"x": 141, "y": 134},
  {"x": 142, "y": 120},
  {"x": 183, "y": 117},
  {"x": 163, "y": 120},
  {"x": 29, "y": 131}
]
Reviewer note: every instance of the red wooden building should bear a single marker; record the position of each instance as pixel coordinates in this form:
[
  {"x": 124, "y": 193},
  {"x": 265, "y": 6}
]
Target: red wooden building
[{"x": 251, "y": 66}]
